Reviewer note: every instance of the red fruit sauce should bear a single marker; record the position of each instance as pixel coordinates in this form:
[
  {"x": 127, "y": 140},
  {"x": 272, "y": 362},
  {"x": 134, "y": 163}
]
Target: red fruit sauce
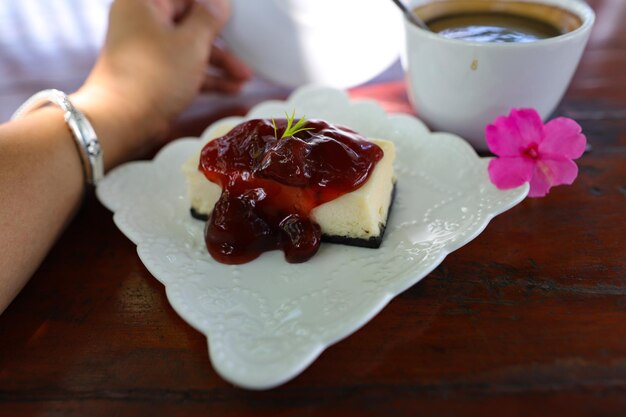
[{"x": 269, "y": 187}]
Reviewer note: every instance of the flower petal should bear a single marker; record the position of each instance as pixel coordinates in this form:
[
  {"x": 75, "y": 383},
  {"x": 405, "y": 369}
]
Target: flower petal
[
  {"x": 509, "y": 172},
  {"x": 510, "y": 136},
  {"x": 551, "y": 172},
  {"x": 564, "y": 138}
]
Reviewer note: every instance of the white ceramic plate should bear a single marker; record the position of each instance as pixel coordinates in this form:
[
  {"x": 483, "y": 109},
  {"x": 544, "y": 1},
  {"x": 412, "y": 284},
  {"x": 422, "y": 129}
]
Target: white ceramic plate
[{"x": 267, "y": 320}]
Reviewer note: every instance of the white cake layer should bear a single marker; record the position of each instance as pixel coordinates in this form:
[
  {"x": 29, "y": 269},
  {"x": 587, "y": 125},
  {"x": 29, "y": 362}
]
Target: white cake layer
[{"x": 361, "y": 213}]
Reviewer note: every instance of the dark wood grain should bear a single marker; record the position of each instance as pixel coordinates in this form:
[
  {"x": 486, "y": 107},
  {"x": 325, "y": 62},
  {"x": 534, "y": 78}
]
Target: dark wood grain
[{"x": 527, "y": 320}]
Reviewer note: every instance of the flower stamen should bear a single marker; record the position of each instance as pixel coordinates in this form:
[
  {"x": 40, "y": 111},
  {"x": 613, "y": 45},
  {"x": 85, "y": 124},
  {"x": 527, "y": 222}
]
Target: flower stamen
[{"x": 531, "y": 152}]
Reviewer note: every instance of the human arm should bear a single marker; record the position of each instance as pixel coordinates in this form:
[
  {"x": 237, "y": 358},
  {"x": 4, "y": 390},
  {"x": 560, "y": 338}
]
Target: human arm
[{"x": 151, "y": 67}]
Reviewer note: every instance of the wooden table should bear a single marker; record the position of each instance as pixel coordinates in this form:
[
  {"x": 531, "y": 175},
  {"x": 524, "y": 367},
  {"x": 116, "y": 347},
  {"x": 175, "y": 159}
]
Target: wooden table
[{"x": 529, "y": 319}]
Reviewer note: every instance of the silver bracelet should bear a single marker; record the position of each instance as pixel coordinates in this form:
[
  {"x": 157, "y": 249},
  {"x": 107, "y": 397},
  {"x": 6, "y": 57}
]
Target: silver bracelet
[{"x": 86, "y": 140}]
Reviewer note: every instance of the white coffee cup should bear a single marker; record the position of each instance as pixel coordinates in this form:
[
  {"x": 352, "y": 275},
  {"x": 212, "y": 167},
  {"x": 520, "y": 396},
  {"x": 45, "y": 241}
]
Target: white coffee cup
[{"x": 460, "y": 87}]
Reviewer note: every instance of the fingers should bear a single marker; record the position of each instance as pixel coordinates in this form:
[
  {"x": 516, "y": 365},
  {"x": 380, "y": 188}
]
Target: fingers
[
  {"x": 206, "y": 17},
  {"x": 229, "y": 64},
  {"x": 125, "y": 10},
  {"x": 164, "y": 9},
  {"x": 169, "y": 12},
  {"x": 180, "y": 8},
  {"x": 227, "y": 74},
  {"x": 219, "y": 9},
  {"x": 220, "y": 84},
  {"x": 151, "y": 13}
]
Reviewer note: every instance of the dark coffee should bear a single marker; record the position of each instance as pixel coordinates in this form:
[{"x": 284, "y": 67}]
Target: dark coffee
[
  {"x": 497, "y": 21},
  {"x": 493, "y": 27}
]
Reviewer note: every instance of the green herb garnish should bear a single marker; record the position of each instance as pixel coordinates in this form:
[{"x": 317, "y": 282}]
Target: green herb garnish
[{"x": 291, "y": 129}]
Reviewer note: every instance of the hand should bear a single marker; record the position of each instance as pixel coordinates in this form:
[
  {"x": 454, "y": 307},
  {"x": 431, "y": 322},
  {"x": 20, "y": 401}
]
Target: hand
[{"x": 153, "y": 64}]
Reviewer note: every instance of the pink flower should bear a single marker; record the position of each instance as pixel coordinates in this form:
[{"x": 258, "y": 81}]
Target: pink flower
[{"x": 529, "y": 151}]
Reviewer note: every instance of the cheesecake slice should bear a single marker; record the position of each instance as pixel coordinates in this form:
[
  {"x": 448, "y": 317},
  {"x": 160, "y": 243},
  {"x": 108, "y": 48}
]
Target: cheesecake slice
[
  {"x": 270, "y": 184},
  {"x": 357, "y": 218}
]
